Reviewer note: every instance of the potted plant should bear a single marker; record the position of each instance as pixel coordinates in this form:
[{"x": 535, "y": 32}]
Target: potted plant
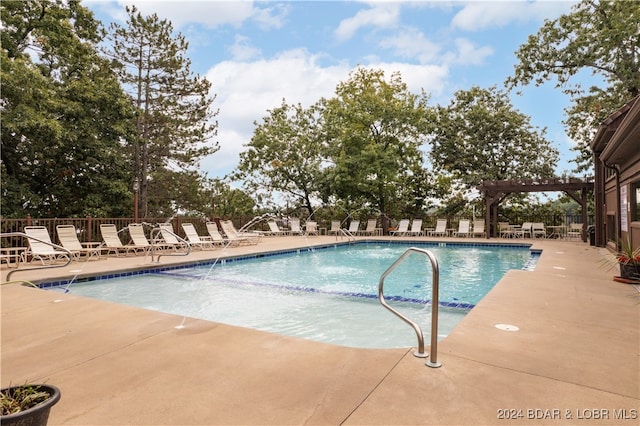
[
  {"x": 629, "y": 260},
  {"x": 28, "y": 404}
]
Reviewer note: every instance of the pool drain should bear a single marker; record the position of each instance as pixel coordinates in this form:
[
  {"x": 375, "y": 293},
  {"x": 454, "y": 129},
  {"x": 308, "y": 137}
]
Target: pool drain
[{"x": 507, "y": 327}]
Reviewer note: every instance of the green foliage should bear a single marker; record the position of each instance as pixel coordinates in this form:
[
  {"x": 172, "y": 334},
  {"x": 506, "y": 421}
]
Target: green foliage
[
  {"x": 70, "y": 138},
  {"x": 569, "y": 207},
  {"x": 597, "y": 36},
  {"x": 480, "y": 136},
  {"x": 231, "y": 202},
  {"x": 78, "y": 128},
  {"x": 586, "y": 115},
  {"x": 53, "y": 28},
  {"x": 174, "y": 120},
  {"x": 417, "y": 193},
  {"x": 64, "y": 114},
  {"x": 285, "y": 155},
  {"x": 178, "y": 191},
  {"x": 16, "y": 399},
  {"x": 374, "y": 130}
]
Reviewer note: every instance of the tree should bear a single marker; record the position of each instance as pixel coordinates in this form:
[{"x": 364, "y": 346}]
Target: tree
[
  {"x": 374, "y": 130},
  {"x": 230, "y": 202},
  {"x": 174, "y": 110},
  {"x": 285, "y": 155},
  {"x": 63, "y": 114},
  {"x": 600, "y": 36},
  {"x": 479, "y": 136}
]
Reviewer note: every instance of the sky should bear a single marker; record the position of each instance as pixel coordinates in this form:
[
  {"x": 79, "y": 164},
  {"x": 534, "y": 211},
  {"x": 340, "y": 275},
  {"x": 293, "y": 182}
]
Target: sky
[{"x": 257, "y": 54}]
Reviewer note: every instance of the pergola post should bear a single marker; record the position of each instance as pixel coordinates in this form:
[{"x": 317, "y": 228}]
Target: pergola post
[
  {"x": 492, "y": 200},
  {"x": 582, "y": 200},
  {"x": 495, "y": 191},
  {"x": 488, "y": 216}
]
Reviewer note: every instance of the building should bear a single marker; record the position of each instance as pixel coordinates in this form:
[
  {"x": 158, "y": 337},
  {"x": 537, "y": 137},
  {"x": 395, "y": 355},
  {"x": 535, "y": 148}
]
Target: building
[{"x": 616, "y": 151}]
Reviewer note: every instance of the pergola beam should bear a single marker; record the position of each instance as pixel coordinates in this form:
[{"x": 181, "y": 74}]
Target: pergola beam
[{"x": 496, "y": 191}]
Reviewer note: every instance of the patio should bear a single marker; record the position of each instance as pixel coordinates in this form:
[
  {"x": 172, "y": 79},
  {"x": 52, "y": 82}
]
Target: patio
[{"x": 574, "y": 359}]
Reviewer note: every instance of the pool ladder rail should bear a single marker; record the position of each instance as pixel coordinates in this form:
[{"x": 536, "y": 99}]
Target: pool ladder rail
[
  {"x": 420, "y": 353},
  {"x": 156, "y": 237},
  {"x": 256, "y": 220},
  {"x": 60, "y": 249},
  {"x": 346, "y": 233}
]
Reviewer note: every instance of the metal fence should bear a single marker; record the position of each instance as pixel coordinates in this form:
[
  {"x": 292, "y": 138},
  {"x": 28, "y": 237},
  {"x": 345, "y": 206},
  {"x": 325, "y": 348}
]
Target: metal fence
[{"x": 88, "y": 228}]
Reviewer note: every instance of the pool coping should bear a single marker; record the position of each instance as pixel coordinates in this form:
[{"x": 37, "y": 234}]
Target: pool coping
[
  {"x": 223, "y": 260},
  {"x": 574, "y": 324}
]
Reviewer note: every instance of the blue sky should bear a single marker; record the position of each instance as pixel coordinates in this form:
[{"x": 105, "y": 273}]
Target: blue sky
[{"x": 258, "y": 53}]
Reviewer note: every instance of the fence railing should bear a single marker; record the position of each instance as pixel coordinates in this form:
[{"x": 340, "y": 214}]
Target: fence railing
[{"x": 88, "y": 228}]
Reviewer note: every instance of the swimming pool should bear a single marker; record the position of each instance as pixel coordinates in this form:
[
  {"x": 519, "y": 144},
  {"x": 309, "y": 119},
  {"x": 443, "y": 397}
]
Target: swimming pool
[{"x": 327, "y": 294}]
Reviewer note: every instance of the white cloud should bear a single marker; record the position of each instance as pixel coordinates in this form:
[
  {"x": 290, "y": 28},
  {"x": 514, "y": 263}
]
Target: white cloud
[
  {"x": 411, "y": 43},
  {"x": 479, "y": 15},
  {"x": 112, "y": 9},
  {"x": 208, "y": 13},
  {"x": 241, "y": 50},
  {"x": 271, "y": 16},
  {"x": 246, "y": 90},
  {"x": 382, "y": 15},
  {"x": 467, "y": 53}
]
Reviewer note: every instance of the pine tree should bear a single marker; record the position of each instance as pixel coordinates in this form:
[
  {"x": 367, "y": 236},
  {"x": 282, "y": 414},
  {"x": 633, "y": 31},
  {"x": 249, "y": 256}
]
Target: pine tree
[{"x": 175, "y": 120}]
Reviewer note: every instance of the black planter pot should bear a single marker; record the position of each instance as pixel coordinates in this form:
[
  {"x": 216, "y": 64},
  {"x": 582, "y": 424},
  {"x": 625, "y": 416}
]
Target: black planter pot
[
  {"x": 630, "y": 271},
  {"x": 36, "y": 415}
]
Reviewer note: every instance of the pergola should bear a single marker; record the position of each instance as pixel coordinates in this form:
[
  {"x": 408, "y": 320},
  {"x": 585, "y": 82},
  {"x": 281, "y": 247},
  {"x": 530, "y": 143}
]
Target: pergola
[{"x": 496, "y": 191}]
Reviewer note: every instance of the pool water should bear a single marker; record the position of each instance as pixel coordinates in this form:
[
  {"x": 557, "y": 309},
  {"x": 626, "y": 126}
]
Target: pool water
[{"x": 327, "y": 295}]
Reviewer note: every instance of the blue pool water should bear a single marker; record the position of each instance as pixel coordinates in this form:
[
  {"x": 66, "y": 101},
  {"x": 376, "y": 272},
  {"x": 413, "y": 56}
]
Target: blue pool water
[{"x": 327, "y": 294}]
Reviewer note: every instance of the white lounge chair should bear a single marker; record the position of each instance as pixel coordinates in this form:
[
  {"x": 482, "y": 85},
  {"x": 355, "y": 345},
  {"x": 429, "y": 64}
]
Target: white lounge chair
[
  {"x": 371, "y": 227},
  {"x": 194, "y": 239},
  {"x": 403, "y": 228},
  {"x": 335, "y": 227},
  {"x": 525, "y": 229},
  {"x": 169, "y": 237},
  {"x": 112, "y": 240},
  {"x": 232, "y": 234},
  {"x": 441, "y": 228},
  {"x": 505, "y": 230},
  {"x": 216, "y": 236},
  {"x": 574, "y": 231},
  {"x": 416, "y": 228},
  {"x": 41, "y": 247},
  {"x": 538, "y": 230},
  {"x": 311, "y": 228},
  {"x": 68, "y": 238},
  {"x": 353, "y": 227},
  {"x": 138, "y": 238},
  {"x": 478, "y": 228},
  {"x": 274, "y": 229},
  {"x": 295, "y": 226},
  {"x": 463, "y": 228}
]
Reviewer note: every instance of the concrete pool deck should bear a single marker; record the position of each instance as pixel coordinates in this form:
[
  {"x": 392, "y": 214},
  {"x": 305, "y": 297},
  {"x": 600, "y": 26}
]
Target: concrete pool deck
[{"x": 574, "y": 360}]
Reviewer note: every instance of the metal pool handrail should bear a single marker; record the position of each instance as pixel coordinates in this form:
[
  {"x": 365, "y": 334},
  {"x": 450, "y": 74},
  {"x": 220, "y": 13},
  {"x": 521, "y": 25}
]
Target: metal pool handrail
[
  {"x": 433, "y": 355},
  {"x": 346, "y": 233},
  {"x": 155, "y": 232},
  {"x": 55, "y": 246}
]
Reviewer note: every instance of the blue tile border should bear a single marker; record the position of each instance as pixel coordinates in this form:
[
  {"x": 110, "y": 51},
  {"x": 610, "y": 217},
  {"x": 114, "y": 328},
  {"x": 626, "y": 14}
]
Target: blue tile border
[
  {"x": 530, "y": 265},
  {"x": 456, "y": 305}
]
